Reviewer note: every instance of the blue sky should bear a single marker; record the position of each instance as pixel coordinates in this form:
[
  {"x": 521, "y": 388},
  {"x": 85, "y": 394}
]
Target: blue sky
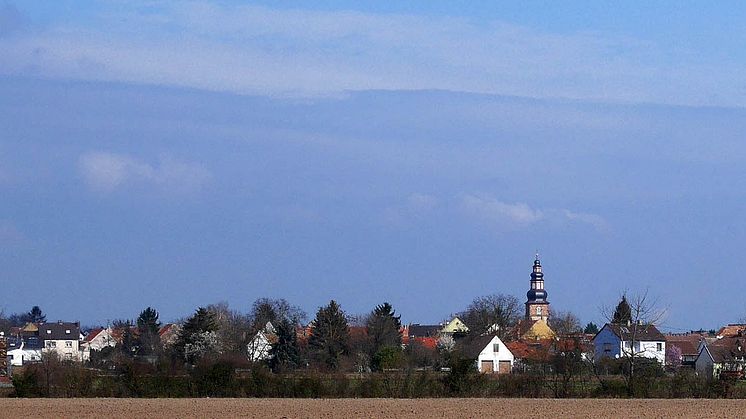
[{"x": 176, "y": 154}]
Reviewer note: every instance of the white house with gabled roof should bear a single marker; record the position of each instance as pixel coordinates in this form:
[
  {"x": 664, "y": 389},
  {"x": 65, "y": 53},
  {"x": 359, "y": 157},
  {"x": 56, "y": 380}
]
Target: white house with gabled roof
[{"x": 643, "y": 340}]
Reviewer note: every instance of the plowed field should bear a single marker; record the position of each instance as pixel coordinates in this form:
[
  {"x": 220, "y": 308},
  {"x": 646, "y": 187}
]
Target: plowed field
[{"x": 370, "y": 408}]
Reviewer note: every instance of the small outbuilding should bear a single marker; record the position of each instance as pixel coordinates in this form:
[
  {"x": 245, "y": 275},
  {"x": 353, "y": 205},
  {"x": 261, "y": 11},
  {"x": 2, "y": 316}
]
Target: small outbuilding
[{"x": 490, "y": 354}]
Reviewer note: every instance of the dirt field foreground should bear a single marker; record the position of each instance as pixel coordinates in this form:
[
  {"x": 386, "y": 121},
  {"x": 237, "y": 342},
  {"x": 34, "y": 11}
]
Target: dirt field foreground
[{"x": 371, "y": 408}]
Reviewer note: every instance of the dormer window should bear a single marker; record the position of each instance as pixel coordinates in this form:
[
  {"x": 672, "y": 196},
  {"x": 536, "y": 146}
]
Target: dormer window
[
  {"x": 49, "y": 331},
  {"x": 67, "y": 331}
]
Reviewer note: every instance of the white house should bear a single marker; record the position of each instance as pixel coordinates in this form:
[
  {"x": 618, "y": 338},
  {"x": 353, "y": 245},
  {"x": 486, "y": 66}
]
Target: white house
[
  {"x": 259, "y": 347},
  {"x": 490, "y": 354},
  {"x": 96, "y": 340},
  {"x": 19, "y": 356},
  {"x": 62, "y": 338},
  {"x": 616, "y": 341},
  {"x": 723, "y": 356}
]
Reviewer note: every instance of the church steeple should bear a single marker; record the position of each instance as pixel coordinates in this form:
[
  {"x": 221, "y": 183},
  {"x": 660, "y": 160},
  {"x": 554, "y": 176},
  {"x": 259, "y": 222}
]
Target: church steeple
[{"x": 537, "y": 306}]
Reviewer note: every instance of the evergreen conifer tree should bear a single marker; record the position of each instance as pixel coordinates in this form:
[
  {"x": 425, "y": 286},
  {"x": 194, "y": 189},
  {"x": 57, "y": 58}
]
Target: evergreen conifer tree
[
  {"x": 623, "y": 312},
  {"x": 36, "y": 316},
  {"x": 329, "y": 335},
  {"x": 384, "y": 328},
  {"x": 148, "y": 327},
  {"x": 285, "y": 353}
]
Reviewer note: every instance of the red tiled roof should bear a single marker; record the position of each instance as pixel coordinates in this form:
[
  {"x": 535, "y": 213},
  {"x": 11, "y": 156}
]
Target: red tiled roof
[
  {"x": 429, "y": 342},
  {"x": 166, "y": 329},
  {"x": 534, "y": 350},
  {"x": 92, "y": 334},
  {"x": 732, "y": 330}
]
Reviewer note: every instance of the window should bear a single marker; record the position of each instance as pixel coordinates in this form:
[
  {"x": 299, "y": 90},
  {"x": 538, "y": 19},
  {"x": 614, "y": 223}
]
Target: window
[
  {"x": 68, "y": 356},
  {"x": 67, "y": 331},
  {"x": 49, "y": 331},
  {"x": 68, "y": 344},
  {"x": 658, "y": 346},
  {"x": 51, "y": 344},
  {"x": 495, "y": 347}
]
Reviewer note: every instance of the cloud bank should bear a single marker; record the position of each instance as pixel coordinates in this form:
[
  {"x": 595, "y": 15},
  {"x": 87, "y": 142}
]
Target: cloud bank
[{"x": 261, "y": 50}]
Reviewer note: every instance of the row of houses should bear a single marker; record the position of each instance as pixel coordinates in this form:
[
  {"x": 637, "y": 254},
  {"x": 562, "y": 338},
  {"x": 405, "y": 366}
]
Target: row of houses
[
  {"x": 27, "y": 344},
  {"x": 531, "y": 340}
]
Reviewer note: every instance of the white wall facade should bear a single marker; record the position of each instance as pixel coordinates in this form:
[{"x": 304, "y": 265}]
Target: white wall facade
[
  {"x": 18, "y": 357},
  {"x": 67, "y": 350},
  {"x": 489, "y": 354},
  {"x": 259, "y": 347},
  {"x": 102, "y": 340}
]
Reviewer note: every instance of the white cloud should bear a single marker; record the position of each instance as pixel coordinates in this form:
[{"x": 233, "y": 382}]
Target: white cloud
[
  {"x": 492, "y": 210},
  {"x": 598, "y": 222},
  {"x": 254, "y": 49},
  {"x": 520, "y": 215},
  {"x": 106, "y": 172}
]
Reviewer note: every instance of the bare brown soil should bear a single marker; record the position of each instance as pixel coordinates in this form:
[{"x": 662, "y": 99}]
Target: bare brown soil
[{"x": 370, "y": 408}]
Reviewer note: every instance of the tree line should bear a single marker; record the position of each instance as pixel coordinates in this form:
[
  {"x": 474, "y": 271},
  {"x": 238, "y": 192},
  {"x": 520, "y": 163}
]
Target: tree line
[{"x": 339, "y": 355}]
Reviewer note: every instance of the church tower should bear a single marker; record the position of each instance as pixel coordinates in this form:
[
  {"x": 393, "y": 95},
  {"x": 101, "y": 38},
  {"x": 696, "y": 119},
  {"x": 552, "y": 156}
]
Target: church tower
[{"x": 537, "y": 306}]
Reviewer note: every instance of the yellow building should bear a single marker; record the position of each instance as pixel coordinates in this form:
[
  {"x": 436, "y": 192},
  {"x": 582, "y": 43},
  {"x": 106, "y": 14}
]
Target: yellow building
[{"x": 454, "y": 326}]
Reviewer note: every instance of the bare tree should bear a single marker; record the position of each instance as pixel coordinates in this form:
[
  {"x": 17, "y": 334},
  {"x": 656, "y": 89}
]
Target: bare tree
[
  {"x": 49, "y": 367},
  {"x": 274, "y": 311},
  {"x": 233, "y": 327},
  {"x": 565, "y": 323},
  {"x": 642, "y": 314},
  {"x": 491, "y": 313}
]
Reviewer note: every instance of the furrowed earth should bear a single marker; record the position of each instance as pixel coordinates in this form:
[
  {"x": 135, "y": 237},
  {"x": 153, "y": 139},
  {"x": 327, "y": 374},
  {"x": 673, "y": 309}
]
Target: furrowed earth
[{"x": 371, "y": 408}]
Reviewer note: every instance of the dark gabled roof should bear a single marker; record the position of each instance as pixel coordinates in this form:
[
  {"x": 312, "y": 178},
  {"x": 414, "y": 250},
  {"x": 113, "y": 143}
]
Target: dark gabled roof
[
  {"x": 424, "y": 330},
  {"x": 640, "y": 332},
  {"x": 59, "y": 331},
  {"x": 727, "y": 349},
  {"x": 475, "y": 346},
  {"x": 689, "y": 344}
]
